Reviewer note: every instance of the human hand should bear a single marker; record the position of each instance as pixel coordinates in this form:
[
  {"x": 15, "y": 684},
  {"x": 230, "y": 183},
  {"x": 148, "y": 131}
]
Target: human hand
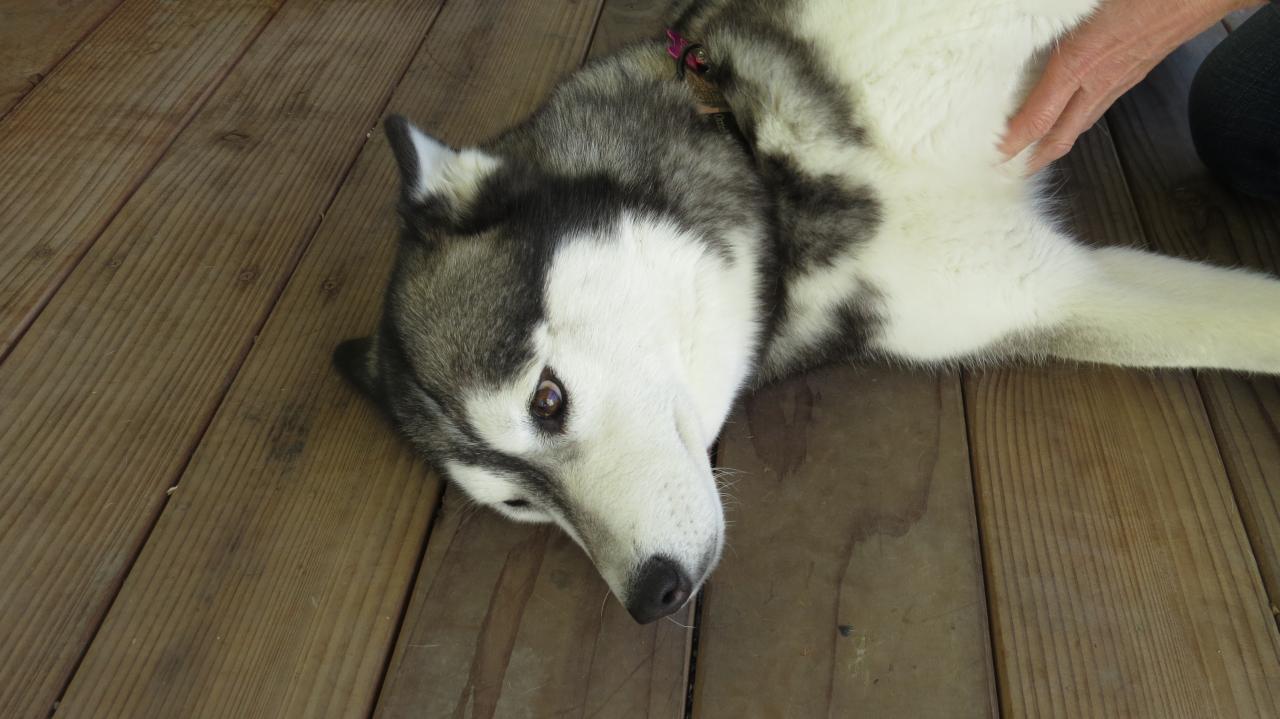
[{"x": 1097, "y": 63}]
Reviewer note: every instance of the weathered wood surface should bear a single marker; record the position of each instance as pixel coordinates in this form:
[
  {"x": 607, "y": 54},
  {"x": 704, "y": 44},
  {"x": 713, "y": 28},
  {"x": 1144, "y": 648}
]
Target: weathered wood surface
[
  {"x": 81, "y": 143},
  {"x": 1121, "y": 582},
  {"x": 626, "y": 21},
  {"x": 1245, "y": 413},
  {"x": 108, "y": 392},
  {"x": 36, "y": 34},
  {"x": 852, "y": 583},
  {"x": 1187, "y": 212},
  {"x": 513, "y": 620},
  {"x": 286, "y": 576},
  {"x": 1119, "y": 575}
]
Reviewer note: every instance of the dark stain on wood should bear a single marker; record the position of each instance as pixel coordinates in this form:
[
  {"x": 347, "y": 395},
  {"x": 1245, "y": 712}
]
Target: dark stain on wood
[
  {"x": 288, "y": 436},
  {"x": 779, "y": 418}
]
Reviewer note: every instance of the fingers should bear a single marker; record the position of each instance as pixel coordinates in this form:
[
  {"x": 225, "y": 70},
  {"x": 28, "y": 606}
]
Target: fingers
[
  {"x": 1046, "y": 103},
  {"x": 1081, "y": 113},
  {"x": 1095, "y": 64}
]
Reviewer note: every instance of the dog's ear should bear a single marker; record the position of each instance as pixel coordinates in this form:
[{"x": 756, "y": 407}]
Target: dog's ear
[
  {"x": 438, "y": 184},
  {"x": 357, "y": 360}
]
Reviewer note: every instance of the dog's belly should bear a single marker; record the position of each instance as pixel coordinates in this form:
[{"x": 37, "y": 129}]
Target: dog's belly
[
  {"x": 955, "y": 262},
  {"x": 955, "y": 281},
  {"x": 935, "y": 80},
  {"x": 945, "y": 275}
]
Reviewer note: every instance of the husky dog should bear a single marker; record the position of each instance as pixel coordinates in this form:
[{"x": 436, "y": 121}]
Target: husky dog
[{"x": 577, "y": 303}]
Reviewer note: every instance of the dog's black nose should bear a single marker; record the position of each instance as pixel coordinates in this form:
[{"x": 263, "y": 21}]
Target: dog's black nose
[{"x": 658, "y": 589}]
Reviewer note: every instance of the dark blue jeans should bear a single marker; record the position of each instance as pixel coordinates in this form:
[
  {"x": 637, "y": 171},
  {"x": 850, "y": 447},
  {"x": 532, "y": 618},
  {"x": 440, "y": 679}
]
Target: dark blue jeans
[{"x": 1234, "y": 107}]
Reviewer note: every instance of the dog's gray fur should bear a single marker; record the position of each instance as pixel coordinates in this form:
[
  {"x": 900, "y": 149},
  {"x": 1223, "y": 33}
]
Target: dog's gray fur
[{"x": 622, "y": 139}]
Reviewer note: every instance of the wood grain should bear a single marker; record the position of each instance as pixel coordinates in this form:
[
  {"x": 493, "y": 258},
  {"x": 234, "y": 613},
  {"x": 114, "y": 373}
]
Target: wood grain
[
  {"x": 35, "y": 35},
  {"x": 626, "y": 21},
  {"x": 852, "y": 583},
  {"x": 513, "y": 620},
  {"x": 276, "y": 577},
  {"x": 1245, "y": 413},
  {"x": 1119, "y": 575},
  {"x": 105, "y": 397},
  {"x": 1187, "y": 212},
  {"x": 273, "y": 582},
  {"x": 1121, "y": 581},
  {"x": 76, "y": 149}
]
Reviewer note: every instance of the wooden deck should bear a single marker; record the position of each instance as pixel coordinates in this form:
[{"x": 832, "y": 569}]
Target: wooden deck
[{"x": 198, "y": 518}]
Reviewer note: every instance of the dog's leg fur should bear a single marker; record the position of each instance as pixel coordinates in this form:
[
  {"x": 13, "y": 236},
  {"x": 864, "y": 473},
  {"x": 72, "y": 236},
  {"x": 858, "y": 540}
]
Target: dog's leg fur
[
  {"x": 1139, "y": 309},
  {"x": 1032, "y": 292}
]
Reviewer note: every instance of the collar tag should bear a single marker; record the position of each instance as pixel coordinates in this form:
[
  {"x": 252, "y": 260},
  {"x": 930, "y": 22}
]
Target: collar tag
[
  {"x": 711, "y": 102},
  {"x": 681, "y": 49}
]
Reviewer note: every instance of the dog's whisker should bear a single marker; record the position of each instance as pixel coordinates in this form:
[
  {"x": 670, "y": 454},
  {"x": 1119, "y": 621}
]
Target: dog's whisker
[{"x": 678, "y": 624}]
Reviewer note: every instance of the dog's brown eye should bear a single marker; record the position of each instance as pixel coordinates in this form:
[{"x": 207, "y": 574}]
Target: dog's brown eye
[{"x": 548, "y": 401}]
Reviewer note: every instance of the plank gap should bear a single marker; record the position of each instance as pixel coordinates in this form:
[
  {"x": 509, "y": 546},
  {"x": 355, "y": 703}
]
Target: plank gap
[
  {"x": 50, "y": 66},
  {"x": 691, "y": 652},
  {"x": 199, "y": 302},
  {"x": 691, "y": 656},
  {"x": 997, "y": 677},
  {"x": 269, "y": 309},
  {"x": 60, "y": 276},
  {"x": 406, "y": 598},
  {"x": 1249, "y": 449}
]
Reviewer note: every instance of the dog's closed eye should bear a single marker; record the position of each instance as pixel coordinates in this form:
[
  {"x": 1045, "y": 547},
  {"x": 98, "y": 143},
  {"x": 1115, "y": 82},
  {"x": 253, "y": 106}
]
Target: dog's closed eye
[{"x": 517, "y": 503}]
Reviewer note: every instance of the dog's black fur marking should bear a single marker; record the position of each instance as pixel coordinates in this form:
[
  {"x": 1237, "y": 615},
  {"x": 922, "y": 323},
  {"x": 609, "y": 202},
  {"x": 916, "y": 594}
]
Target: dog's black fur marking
[{"x": 620, "y": 137}]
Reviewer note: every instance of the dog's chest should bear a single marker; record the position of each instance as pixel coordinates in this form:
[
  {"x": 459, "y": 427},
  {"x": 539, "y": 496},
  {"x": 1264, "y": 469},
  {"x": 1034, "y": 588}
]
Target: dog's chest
[
  {"x": 933, "y": 80},
  {"x": 929, "y": 86}
]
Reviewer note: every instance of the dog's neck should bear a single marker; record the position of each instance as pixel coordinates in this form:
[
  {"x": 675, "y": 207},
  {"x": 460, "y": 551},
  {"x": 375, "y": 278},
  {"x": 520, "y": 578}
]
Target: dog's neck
[
  {"x": 805, "y": 137},
  {"x": 628, "y": 118}
]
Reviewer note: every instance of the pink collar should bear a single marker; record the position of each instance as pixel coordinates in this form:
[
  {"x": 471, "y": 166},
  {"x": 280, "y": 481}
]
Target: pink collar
[
  {"x": 710, "y": 102},
  {"x": 695, "y": 58}
]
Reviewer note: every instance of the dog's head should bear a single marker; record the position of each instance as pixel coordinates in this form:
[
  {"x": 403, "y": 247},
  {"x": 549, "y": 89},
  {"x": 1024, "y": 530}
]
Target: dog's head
[{"x": 565, "y": 351}]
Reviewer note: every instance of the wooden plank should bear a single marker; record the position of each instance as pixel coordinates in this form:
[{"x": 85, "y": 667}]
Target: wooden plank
[
  {"x": 276, "y": 576},
  {"x": 851, "y": 584},
  {"x": 75, "y": 150},
  {"x": 1119, "y": 574},
  {"x": 273, "y": 581},
  {"x": 1245, "y": 413},
  {"x": 36, "y": 35},
  {"x": 626, "y": 21},
  {"x": 107, "y": 394},
  {"x": 513, "y": 620},
  {"x": 1187, "y": 212}
]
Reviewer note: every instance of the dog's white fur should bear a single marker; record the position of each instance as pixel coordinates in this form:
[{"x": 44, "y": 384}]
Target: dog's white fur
[
  {"x": 965, "y": 263},
  {"x": 653, "y": 383}
]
